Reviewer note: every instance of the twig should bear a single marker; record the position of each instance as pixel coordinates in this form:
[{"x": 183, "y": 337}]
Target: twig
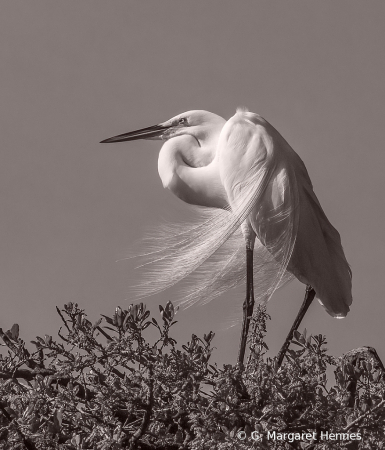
[
  {"x": 355, "y": 421},
  {"x": 26, "y": 374},
  {"x": 29, "y": 375},
  {"x": 106, "y": 335},
  {"x": 63, "y": 319},
  {"x": 147, "y": 414}
]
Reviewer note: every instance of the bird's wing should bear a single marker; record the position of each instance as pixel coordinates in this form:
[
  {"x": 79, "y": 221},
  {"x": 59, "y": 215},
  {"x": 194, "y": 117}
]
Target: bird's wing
[
  {"x": 262, "y": 188},
  {"x": 266, "y": 177},
  {"x": 318, "y": 258}
]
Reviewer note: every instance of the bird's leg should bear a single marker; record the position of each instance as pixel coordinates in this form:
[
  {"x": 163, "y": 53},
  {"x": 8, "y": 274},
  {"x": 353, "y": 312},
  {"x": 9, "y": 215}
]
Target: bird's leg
[
  {"x": 248, "y": 304},
  {"x": 309, "y": 297}
]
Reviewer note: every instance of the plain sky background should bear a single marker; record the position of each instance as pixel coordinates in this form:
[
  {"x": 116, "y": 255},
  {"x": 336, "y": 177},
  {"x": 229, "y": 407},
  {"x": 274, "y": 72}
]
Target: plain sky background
[{"x": 75, "y": 72}]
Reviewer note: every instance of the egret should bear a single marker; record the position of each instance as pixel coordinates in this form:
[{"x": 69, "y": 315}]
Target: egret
[{"x": 252, "y": 181}]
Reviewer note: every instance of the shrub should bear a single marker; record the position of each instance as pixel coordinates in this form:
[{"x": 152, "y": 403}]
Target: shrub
[{"x": 103, "y": 386}]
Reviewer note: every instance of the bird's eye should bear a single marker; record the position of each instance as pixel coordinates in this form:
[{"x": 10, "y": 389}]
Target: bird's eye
[{"x": 182, "y": 120}]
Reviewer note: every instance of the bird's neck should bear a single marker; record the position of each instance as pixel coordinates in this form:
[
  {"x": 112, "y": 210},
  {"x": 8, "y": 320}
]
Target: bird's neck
[{"x": 190, "y": 172}]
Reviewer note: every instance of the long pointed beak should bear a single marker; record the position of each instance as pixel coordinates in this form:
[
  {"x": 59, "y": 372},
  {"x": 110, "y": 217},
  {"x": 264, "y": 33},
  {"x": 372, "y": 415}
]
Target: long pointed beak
[{"x": 153, "y": 132}]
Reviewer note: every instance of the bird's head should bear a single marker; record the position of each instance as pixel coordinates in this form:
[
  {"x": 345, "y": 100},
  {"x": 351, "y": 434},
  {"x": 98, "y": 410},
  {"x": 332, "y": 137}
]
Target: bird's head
[{"x": 198, "y": 123}]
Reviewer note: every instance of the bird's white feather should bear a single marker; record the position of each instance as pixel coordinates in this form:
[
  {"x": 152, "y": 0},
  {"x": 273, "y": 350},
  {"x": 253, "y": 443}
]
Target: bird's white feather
[
  {"x": 210, "y": 255},
  {"x": 271, "y": 200},
  {"x": 209, "y": 262}
]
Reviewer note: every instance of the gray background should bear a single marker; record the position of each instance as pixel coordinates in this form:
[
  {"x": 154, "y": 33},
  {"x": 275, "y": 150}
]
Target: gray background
[{"x": 73, "y": 73}]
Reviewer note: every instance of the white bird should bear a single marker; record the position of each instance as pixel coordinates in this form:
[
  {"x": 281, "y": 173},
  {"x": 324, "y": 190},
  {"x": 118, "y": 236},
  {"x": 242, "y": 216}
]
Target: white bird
[{"x": 256, "y": 183}]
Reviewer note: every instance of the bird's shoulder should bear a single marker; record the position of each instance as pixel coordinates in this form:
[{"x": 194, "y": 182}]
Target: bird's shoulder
[{"x": 244, "y": 136}]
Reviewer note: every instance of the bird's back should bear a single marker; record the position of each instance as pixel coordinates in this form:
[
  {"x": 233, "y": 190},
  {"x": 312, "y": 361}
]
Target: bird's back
[{"x": 262, "y": 174}]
